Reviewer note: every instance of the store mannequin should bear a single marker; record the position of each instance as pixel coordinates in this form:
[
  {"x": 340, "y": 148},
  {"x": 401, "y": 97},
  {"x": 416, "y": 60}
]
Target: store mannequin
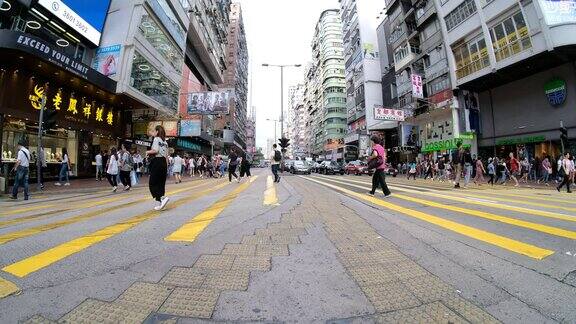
[
  {"x": 4, "y": 155},
  {"x": 9, "y": 155}
]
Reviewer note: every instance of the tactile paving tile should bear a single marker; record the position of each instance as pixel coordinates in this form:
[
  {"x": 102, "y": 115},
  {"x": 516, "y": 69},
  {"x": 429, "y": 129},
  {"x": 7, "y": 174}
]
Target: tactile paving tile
[
  {"x": 95, "y": 311},
  {"x": 281, "y": 231},
  {"x": 372, "y": 275},
  {"x": 408, "y": 270},
  {"x": 256, "y": 239},
  {"x": 431, "y": 313},
  {"x": 390, "y": 296},
  {"x": 184, "y": 277},
  {"x": 428, "y": 288},
  {"x": 227, "y": 280},
  {"x": 145, "y": 295},
  {"x": 248, "y": 263},
  {"x": 275, "y": 226},
  {"x": 190, "y": 302},
  {"x": 272, "y": 250},
  {"x": 362, "y": 259},
  {"x": 215, "y": 262},
  {"x": 239, "y": 249},
  {"x": 38, "y": 319},
  {"x": 284, "y": 239},
  {"x": 468, "y": 311}
]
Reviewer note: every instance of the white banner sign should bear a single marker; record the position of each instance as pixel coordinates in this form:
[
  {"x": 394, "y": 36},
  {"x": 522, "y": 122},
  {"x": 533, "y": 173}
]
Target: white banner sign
[
  {"x": 381, "y": 113},
  {"x": 417, "y": 88}
]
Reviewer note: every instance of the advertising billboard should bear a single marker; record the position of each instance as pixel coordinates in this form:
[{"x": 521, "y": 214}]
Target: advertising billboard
[
  {"x": 190, "y": 127},
  {"x": 85, "y": 17},
  {"x": 417, "y": 88},
  {"x": 381, "y": 113},
  {"x": 107, "y": 59},
  {"x": 208, "y": 103},
  {"x": 557, "y": 12}
]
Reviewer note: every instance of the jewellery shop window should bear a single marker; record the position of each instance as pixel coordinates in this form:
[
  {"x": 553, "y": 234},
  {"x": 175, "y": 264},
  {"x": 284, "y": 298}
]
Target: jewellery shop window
[{"x": 52, "y": 146}]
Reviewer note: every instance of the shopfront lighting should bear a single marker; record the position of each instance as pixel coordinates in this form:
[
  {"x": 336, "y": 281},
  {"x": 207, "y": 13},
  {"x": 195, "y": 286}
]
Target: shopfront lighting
[
  {"x": 165, "y": 84},
  {"x": 57, "y": 26},
  {"x": 33, "y": 24},
  {"x": 144, "y": 67},
  {"x": 38, "y": 13},
  {"x": 5, "y": 6},
  {"x": 72, "y": 36},
  {"x": 62, "y": 42}
]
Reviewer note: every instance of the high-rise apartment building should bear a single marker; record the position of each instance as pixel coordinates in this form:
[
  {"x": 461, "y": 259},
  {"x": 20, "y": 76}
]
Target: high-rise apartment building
[
  {"x": 512, "y": 64},
  {"x": 362, "y": 70},
  {"x": 297, "y": 118},
  {"x": 325, "y": 88},
  {"x": 232, "y": 127}
]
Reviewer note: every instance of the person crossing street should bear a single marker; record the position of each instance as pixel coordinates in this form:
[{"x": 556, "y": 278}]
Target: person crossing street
[
  {"x": 21, "y": 169},
  {"x": 158, "y": 167},
  {"x": 275, "y": 159},
  {"x": 378, "y": 161}
]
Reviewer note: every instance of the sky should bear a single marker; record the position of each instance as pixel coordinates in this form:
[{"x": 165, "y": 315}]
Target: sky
[{"x": 278, "y": 32}]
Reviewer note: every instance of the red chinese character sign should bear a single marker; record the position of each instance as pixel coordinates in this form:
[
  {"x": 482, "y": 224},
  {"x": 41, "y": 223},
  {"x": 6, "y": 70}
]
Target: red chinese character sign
[
  {"x": 417, "y": 88},
  {"x": 381, "y": 113}
]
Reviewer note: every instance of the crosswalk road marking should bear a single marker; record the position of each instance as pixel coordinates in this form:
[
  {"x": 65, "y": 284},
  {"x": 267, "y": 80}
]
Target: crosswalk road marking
[
  {"x": 4, "y": 238},
  {"x": 507, "y": 220},
  {"x": 535, "y": 212},
  {"x": 270, "y": 197},
  {"x": 480, "y": 235},
  {"x": 7, "y": 288},
  {"x": 34, "y": 263},
  {"x": 190, "y": 231}
]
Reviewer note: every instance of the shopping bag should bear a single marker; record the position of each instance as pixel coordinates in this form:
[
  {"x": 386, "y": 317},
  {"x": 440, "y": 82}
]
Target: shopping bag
[{"x": 133, "y": 178}]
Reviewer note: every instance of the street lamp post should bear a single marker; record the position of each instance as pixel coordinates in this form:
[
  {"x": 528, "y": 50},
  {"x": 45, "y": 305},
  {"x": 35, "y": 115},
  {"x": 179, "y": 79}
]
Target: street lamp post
[
  {"x": 281, "y": 66},
  {"x": 275, "y": 127}
]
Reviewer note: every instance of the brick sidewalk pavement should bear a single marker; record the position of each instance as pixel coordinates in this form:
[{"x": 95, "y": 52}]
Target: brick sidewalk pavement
[{"x": 399, "y": 289}]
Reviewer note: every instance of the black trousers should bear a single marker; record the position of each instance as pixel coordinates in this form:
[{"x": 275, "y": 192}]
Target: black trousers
[
  {"x": 112, "y": 179},
  {"x": 157, "y": 182},
  {"x": 491, "y": 181},
  {"x": 379, "y": 180},
  {"x": 125, "y": 177},
  {"x": 565, "y": 181},
  {"x": 275, "y": 168},
  {"x": 245, "y": 171},
  {"x": 232, "y": 172}
]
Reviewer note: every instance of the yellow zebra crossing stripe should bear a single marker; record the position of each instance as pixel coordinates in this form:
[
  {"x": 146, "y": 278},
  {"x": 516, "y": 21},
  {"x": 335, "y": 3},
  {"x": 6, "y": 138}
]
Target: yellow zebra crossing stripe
[
  {"x": 480, "y": 235},
  {"x": 34, "y": 263},
  {"x": 270, "y": 197},
  {"x": 190, "y": 231},
  {"x": 7, "y": 288},
  {"x": 507, "y": 220}
]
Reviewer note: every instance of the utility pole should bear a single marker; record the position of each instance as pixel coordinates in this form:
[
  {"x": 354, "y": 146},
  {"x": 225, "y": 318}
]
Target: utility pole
[
  {"x": 39, "y": 146},
  {"x": 281, "y": 92}
]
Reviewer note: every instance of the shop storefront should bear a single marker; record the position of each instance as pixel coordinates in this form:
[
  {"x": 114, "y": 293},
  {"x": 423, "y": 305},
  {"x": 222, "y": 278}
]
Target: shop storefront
[{"x": 87, "y": 109}]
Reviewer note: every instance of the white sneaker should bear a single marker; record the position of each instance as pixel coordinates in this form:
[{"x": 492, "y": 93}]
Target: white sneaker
[
  {"x": 114, "y": 189},
  {"x": 158, "y": 208},
  {"x": 163, "y": 203},
  {"x": 67, "y": 184},
  {"x": 57, "y": 184}
]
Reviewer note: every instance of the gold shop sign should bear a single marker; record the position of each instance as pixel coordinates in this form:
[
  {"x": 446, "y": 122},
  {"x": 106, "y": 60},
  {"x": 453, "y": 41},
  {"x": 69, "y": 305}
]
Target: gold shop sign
[{"x": 78, "y": 108}]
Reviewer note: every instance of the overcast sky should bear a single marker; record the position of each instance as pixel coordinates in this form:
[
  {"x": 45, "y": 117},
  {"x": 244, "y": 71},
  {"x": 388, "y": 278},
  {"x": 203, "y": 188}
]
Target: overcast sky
[{"x": 278, "y": 32}]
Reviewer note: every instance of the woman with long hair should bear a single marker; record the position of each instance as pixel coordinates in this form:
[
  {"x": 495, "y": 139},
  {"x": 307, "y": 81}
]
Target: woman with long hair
[
  {"x": 378, "y": 179},
  {"x": 64, "y": 168},
  {"x": 112, "y": 169},
  {"x": 158, "y": 166}
]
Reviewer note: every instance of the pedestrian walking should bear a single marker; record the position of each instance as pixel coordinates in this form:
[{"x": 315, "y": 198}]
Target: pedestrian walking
[
  {"x": 378, "y": 161},
  {"x": 572, "y": 170},
  {"x": 99, "y": 166},
  {"x": 177, "y": 168},
  {"x": 64, "y": 169},
  {"x": 524, "y": 169},
  {"x": 565, "y": 172},
  {"x": 514, "y": 169},
  {"x": 412, "y": 170},
  {"x": 535, "y": 169},
  {"x": 222, "y": 167},
  {"x": 428, "y": 166},
  {"x": 126, "y": 166},
  {"x": 201, "y": 165},
  {"x": 468, "y": 168},
  {"x": 441, "y": 169},
  {"x": 158, "y": 167},
  {"x": 217, "y": 165},
  {"x": 503, "y": 171},
  {"x": 192, "y": 166},
  {"x": 43, "y": 166},
  {"x": 232, "y": 164},
  {"x": 112, "y": 169},
  {"x": 275, "y": 159},
  {"x": 491, "y": 171},
  {"x": 458, "y": 160},
  {"x": 21, "y": 170},
  {"x": 245, "y": 167},
  {"x": 479, "y": 178},
  {"x": 138, "y": 164},
  {"x": 546, "y": 171}
]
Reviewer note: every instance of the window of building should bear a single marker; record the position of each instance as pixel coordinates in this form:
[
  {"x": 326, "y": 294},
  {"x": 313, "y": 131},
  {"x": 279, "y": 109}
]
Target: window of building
[
  {"x": 510, "y": 36},
  {"x": 400, "y": 53},
  {"x": 159, "y": 39},
  {"x": 471, "y": 57},
  {"x": 429, "y": 30},
  {"x": 438, "y": 84},
  {"x": 148, "y": 80},
  {"x": 459, "y": 14}
]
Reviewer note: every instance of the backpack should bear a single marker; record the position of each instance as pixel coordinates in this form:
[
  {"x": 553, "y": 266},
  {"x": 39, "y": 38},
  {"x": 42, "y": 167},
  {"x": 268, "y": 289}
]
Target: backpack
[{"x": 277, "y": 156}]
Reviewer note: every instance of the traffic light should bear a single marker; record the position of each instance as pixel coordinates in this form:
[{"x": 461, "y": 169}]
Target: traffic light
[
  {"x": 49, "y": 119},
  {"x": 564, "y": 137},
  {"x": 284, "y": 143}
]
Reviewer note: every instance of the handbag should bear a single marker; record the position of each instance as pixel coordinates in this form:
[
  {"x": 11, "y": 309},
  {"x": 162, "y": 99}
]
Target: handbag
[{"x": 375, "y": 162}]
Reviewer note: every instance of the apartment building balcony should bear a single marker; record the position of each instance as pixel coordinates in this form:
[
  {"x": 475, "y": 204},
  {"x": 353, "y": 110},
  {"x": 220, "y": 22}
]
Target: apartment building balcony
[
  {"x": 437, "y": 69},
  {"x": 424, "y": 10},
  {"x": 411, "y": 54},
  {"x": 403, "y": 87},
  {"x": 431, "y": 42}
]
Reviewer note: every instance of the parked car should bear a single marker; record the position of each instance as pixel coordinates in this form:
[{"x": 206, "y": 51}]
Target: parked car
[
  {"x": 330, "y": 167},
  {"x": 390, "y": 170},
  {"x": 316, "y": 167},
  {"x": 300, "y": 167}
]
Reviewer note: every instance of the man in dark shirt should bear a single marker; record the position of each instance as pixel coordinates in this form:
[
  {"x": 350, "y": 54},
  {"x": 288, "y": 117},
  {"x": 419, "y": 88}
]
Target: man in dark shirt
[{"x": 458, "y": 159}]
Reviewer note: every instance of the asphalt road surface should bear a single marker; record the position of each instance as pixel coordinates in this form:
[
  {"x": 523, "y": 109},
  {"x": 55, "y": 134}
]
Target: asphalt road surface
[{"x": 312, "y": 248}]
